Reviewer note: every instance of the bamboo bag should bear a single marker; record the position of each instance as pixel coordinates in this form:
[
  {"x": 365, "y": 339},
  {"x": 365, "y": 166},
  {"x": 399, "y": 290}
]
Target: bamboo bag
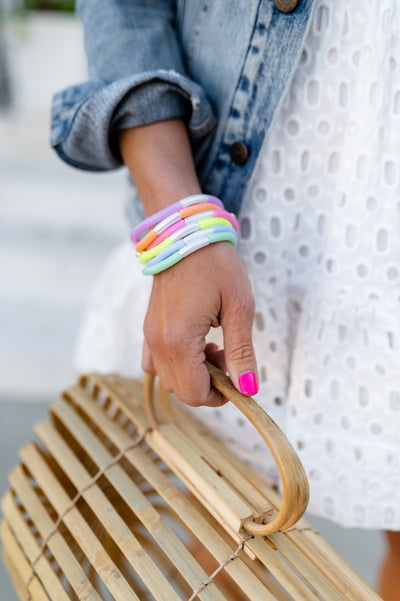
[{"x": 121, "y": 499}]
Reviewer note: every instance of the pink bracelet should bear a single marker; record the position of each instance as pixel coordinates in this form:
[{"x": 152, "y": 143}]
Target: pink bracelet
[
  {"x": 161, "y": 215},
  {"x": 193, "y": 218}
]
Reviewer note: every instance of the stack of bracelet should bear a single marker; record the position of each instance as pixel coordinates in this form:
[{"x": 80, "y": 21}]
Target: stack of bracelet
[{"x": 165, "y": 238}]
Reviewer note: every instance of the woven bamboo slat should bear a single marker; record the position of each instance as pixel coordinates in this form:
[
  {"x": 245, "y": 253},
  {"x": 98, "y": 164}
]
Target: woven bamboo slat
[{"x": 125, "y": 498}]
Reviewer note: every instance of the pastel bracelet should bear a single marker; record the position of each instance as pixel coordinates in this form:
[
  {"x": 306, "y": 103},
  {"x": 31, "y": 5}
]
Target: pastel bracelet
[
  {"x": 149, "y": 222},
  {"x": 189, "y": 245},
  {"x": 178, "y": 244},
  {"x": 193, "y": 219},
  {"x": 203, "y": 225},
  {"x": 175, "y": 217}
]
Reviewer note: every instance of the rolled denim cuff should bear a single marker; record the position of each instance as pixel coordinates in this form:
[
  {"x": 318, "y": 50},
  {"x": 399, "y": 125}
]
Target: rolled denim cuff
[{"x": 87, "y": 117}]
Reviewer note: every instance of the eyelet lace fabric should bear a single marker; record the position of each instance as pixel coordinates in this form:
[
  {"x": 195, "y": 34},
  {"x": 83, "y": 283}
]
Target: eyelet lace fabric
[{"x": 320, "y": 239}]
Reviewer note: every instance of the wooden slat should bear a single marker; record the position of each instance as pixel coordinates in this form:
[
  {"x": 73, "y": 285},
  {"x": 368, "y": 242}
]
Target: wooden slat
[
  {"x": 78, "y": 527},
  {"x": 284, "y": 573},
  {"x": 140, "y": 560},
  {"x": 15, "y": 578},
  {"x": 225, "y": 468},
  {"x": 222, "y": 502},
  {"x": 20, "y": 568},
  {"x": 336, "y": 569},
  {"x": 31, "y": 548},
  {"x": 321, "y": 562},
  {"x": 179, "y": 502},
  {"x": 337, "y": 562},
  {"x": 208, "y": 469},
  {"x": 111, "y": 385},
  {"x": 178, "y": 452},
  {"x": 276, "y": 565},
  {"x": 57, "y": 544},
  {"x": 144, "y": 510},
  {"x": 303, "y": 566}
]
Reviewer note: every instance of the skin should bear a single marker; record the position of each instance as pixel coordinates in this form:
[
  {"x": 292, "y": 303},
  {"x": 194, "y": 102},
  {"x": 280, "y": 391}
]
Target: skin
[
  {"x": 389, "y": 577},
  {"x": 208, "y": 288}
]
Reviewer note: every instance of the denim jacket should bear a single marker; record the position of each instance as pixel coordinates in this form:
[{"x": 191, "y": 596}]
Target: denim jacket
[{"x": 223, "y": 65}]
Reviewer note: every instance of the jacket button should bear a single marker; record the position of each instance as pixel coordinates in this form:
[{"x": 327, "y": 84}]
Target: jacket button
[
  {"x": 239, "y": 153},
  {"x": 286, "y": 6}
]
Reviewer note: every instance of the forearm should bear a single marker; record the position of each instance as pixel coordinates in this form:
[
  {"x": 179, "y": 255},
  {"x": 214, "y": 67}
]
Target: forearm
[{"x": 160, "y": 161}]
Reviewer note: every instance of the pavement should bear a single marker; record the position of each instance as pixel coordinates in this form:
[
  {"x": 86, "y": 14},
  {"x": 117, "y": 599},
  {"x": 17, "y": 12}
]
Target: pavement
[{"x": 57, "y": 226}]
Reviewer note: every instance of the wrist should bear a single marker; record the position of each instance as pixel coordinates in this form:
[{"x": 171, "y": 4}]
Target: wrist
[
  {"x": 160, "y": 162},
  {"x": 165, "y": 238}
]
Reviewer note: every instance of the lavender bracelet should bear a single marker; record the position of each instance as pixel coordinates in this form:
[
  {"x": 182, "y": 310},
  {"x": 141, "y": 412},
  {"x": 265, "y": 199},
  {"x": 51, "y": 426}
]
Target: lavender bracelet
[{"x": 157, "y": 217}]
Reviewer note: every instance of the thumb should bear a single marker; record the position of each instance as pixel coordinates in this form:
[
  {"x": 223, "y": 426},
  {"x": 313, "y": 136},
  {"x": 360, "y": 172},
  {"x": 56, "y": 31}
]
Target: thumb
[{"x": 239, "y": 352}]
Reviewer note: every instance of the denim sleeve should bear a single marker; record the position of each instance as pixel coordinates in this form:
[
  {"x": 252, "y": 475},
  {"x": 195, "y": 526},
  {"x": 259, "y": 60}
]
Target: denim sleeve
[{"x": 137, "y": 76}]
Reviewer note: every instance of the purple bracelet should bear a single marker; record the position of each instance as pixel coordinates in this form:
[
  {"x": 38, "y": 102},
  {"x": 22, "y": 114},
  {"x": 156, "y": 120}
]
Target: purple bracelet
[{"x": 181, "y": 204}]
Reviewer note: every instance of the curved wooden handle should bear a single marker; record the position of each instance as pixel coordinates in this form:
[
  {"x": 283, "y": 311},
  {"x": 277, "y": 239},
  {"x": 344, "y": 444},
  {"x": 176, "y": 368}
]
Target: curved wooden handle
[{"x": 295, "y": 491}]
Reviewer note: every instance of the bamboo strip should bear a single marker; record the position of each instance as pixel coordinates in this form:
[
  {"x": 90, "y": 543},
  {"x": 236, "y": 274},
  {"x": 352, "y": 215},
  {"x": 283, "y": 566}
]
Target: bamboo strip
[
  {"x": 144, "y": 510},
  {"x": 15, "y": 578},
  {"x": 140, "y": 560},
  {"x": 324, "y": 557},
  {"x": 226, "y": 506},
  {"x": 31, "y": 548},
  {"x": 325, "y": 566},
  {"x": 112, "y": 385},
  {"x": 223, "y": 467},
  {"x": 179, "y": 502},
  {"x": 104, "y": 417},
  {"x": 21, "y": 568},
  {"x": 304, "y": 567},
  {"x": 308, "y": 566},
  {"x": 219, "y": 507},
  {"x": 284, "y": 574},
  {"x": 73, "y": 571},
  {"x": 340, "y": 564},
  {"x": 78, "y": 527},
  {"x": 283, "y": 571}
]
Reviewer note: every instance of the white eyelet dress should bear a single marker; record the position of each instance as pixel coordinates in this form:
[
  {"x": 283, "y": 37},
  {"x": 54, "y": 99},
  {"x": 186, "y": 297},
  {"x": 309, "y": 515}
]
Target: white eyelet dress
[{"x": 320, "y": 237}]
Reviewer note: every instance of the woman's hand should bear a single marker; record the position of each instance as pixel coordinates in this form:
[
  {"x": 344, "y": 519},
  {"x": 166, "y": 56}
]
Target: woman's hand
[{"x": 208, "y": 288}]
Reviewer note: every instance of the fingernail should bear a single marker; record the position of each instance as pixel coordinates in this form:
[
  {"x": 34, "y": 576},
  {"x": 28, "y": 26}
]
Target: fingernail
[{"x": 248, "y": 383}]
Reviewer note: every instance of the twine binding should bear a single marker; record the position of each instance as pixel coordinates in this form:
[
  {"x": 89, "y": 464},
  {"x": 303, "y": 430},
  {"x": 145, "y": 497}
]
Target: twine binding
[
  {"x": 220, "y": 567},
  {"x": 301, "y": 529},
  {"x": 74, "y": 501}
]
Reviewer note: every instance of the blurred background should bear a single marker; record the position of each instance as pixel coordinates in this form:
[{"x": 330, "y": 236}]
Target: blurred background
[{"x": 57, "y": 226}]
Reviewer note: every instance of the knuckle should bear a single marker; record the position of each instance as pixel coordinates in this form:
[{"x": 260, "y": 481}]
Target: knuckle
[
  {"x": 148, "y": 367},
  {"x": 150, "y": 333},
  {"x": 242, "y": 353},
  {"x": 191, "y": 402},
  {"x": 189, "y": 396},
  {"x": 171, "y": 340}
]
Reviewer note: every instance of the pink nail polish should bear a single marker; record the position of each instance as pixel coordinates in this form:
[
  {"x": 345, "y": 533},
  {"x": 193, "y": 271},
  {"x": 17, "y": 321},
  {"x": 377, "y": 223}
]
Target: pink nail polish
[{"x": 248, "y": 383}]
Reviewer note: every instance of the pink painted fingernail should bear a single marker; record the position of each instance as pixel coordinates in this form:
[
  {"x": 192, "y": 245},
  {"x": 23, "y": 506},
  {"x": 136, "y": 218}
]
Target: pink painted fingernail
[{"x": 248, "y": 383}]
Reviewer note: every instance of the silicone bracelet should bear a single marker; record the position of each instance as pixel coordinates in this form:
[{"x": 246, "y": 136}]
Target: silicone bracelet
[
  {"x": 192, "y": 246},
  {"x": 193, "y": 218},
  {"x": 203, "y": 224},
  {"x": 181, "y": 204},
  {"x": 169, "y": 221},
  {"x": 178, "y": 244}
]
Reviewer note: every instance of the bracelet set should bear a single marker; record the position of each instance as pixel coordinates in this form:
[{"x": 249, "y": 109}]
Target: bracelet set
[{"x": 168, "y": 236}]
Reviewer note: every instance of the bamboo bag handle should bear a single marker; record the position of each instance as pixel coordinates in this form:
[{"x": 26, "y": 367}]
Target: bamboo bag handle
[{"x": 295, "y": 491}]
